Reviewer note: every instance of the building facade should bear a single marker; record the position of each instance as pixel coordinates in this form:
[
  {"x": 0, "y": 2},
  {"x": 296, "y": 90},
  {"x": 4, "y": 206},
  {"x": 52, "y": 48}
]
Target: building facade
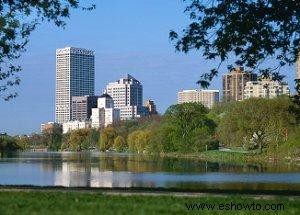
[
  {"x": 49, "y": 126},
  {"x": 265, "y": 88},
  {"x": 127, "y": 94},
  {"x": 298, "y": 69},
  {"x": 206, "y": 97},
  {"x": 234, "y": 84},
  {"x": 82, "y": 107},
  {"x": 75, "y": 125},
  {"x": 132, "y": 112},
  {"x": 150, "y": 106},
  {"x": 105, "y": 114},
  {"x": 75, "y": 73}
]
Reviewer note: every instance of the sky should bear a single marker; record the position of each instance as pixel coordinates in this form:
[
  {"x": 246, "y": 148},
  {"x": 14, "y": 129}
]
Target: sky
[{"x": 128, "y": 37}]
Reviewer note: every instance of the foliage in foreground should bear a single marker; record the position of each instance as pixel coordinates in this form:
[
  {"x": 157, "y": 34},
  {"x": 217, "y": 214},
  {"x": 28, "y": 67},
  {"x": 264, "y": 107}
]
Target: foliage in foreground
[
  {"x": 17, "y": 21},
  {"x": 87, "y": 203},
  {"x": 249, "y": 32}
]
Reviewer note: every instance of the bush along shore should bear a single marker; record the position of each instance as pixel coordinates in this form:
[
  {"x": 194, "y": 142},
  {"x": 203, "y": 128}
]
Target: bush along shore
[{"x": 262, "y": 130}]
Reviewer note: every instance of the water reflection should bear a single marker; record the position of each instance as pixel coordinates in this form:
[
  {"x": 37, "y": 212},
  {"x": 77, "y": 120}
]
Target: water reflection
[{"x": 93, "y": 169}]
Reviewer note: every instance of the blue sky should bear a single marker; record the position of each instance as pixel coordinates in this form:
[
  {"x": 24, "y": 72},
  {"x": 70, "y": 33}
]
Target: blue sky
[{"x": 128, "y": 36}]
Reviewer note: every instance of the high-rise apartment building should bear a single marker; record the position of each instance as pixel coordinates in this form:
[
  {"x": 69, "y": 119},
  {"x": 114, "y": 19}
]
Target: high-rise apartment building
[
  {"x": 127, "y": 94},
  {"x": 151, "y": 107},
  {"x": 82, "y": 107},
  {"x": 234, "y": 84},
  {"x": 265, "y": 88},
  {"x": 75, "y": 73},
  {"x": 206, "y": 97}
]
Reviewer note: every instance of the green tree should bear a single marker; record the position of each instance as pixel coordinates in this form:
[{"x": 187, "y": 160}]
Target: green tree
[
  {"x": 250, "y": 32},
  {"x": 53, "y": 138},
  {"x": 257, "y": 123},
  {"x": 155, "y": 145},
  {"x": 119, "y": 143},
  {"x": 75, "y": 140},
  {"x": 18, "y": 20},
  {"x": 8, "y": 143},
  {"x": 142, "y": 141},
  {"x": 132, "y": 140},
  {"x": 23, "y": 142},
  {"x": 184, "y": 121},
  {"x": 107, "y": 137}
]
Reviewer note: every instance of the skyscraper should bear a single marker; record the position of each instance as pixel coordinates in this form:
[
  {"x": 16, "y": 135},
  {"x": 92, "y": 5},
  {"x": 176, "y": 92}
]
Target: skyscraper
[
  {"x": 127, "y": 94},
  {"x": 75, "y": 75},
  {"x": 234, "y": 84}
]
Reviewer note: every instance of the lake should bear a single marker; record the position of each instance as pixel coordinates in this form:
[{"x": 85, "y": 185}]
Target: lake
[{"x": 122, "y": 170}]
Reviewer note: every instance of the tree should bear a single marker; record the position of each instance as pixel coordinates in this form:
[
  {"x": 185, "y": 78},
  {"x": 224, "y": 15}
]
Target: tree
[
  {"x": 186, "y": 124},
  {"x": 296, "y": 100},
  {"x": 76, "y": 139},
  {"x": 257, "y": 123},
  {"x": 119, "y": 143},
  {"x": 8, "y": 144},
  {"x": 107, "y": 138},
  {"x": 139, "y": 141},
  {"x": 142, "y": 141},
  {"x": 251, "y": 31},
  {"x": 132, "y": 140},
  {"x": 53, "y": 137},
  {"x": 18, "y": 20}
]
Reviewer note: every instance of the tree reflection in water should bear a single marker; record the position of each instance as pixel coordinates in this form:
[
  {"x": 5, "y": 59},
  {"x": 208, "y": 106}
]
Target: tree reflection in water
[{"x": 93, "y": 169}]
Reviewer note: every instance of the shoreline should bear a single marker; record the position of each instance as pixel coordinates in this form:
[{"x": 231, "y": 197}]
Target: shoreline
[
  {"x": 152, "y": 191},
  {"x": 234, "y": 157}
]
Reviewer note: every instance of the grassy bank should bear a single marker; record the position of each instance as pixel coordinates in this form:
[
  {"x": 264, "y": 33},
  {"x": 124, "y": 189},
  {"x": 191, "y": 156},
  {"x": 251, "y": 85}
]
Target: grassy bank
[
  {"x": 40, "y": 202},
  {"x": 236, "y": 157}
]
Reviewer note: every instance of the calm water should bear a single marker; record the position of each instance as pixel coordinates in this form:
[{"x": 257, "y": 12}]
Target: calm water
[{"x": 93, "y": 169}]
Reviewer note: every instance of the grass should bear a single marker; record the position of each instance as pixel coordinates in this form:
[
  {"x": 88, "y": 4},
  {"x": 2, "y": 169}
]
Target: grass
[
  {"x": 57, "y": 202},
  {"x": 221, "y": 156},
  {"x": 235, "y": 157}
]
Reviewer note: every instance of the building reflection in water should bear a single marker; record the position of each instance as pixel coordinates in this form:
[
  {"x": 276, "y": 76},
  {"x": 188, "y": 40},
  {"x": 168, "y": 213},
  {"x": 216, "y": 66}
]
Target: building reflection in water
[
  {"x": 110, "y": 178},
  {"x": 125, "y": 170},
  {"x": 74, "y": 175},
  {"x": 71, "y": 175}
]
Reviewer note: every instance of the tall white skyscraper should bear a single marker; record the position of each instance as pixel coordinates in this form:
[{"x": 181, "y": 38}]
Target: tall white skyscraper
[
  {"x": 75, "y": 76},
  {"x": 127, "y": 94}
]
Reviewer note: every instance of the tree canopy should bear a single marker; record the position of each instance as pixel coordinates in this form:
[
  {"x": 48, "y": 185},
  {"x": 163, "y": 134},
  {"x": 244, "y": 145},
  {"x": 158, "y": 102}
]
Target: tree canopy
[
  {"x": 17, "y": 21},
  {"x": 251, "y": 31},
  {"x": 257, "y": 123},
  {"x": 187, "y": 127}
]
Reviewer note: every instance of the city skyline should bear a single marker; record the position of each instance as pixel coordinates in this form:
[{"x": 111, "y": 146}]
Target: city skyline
[{"x": 134, "y": 43}]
